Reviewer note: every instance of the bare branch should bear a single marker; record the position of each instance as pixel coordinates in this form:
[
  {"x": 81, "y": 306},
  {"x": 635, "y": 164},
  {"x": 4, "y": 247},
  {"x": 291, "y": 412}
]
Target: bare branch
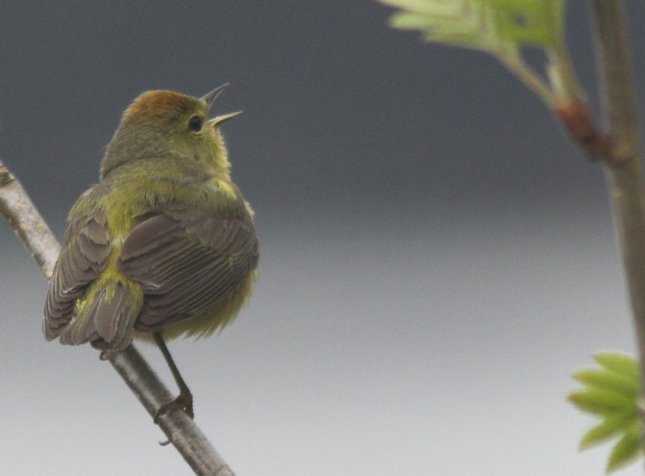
[
  {"x": 615, "y": 72},
  {"x": 17, "y": 209},
  {"x": 179, "y": 428},
  {"x": 622, "y": 164}
]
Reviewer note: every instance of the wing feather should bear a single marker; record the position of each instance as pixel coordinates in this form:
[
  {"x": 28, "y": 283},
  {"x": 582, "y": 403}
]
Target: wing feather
[
  {"x": 185, "y": 260},
  {"x": 83, "y": 257}
]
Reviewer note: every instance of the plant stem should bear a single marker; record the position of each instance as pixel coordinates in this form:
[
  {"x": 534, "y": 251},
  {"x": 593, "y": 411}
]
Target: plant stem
[
  {"x": 33, "y": 232},
  {"x": 531, "y": 80},
  {"x": 622, "y": 166},
  {"x": 182, "y": 432}
]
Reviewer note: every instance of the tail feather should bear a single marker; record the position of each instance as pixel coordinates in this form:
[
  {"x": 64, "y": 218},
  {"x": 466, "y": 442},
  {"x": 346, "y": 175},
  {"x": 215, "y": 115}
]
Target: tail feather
[
  {"x": 107, "y": 318},
  {"x": 82, "y": 329}
]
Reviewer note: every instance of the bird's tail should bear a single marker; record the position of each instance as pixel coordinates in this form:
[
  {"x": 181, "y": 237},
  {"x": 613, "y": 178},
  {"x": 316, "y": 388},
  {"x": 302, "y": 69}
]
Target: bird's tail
[{"x": 106, "y": 316}]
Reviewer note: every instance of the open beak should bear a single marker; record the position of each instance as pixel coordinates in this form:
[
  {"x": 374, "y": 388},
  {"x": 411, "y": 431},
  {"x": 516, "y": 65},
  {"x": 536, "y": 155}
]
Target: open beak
[
  {"x": 210, "y": 98},
  {"x": 218, "y": 120}
]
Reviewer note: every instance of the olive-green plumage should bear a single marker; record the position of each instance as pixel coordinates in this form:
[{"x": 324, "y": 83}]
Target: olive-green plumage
[{"x": 165, "y": 240}]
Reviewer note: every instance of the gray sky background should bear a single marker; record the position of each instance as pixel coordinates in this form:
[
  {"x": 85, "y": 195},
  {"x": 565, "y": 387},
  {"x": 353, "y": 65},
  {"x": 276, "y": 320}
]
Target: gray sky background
[{"x": 436, "y": 258}]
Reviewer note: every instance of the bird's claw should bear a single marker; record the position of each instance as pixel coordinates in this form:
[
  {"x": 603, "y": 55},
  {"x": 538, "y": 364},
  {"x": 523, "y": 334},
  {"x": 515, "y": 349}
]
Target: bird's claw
[{"x": 182, "y": 402}]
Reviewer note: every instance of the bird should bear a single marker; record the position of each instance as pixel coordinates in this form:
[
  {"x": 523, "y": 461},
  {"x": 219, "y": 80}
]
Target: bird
[{"x": 164, "y": 245}]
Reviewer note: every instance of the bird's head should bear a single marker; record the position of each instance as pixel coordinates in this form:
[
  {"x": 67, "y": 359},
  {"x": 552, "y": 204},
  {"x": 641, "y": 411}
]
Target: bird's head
[{"x": 167, "y": 124}]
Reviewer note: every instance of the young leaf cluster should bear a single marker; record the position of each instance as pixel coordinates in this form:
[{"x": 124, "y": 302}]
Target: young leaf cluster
[
  {"x": 610, "y": 392},
  {"x": 501, "y": 28}
]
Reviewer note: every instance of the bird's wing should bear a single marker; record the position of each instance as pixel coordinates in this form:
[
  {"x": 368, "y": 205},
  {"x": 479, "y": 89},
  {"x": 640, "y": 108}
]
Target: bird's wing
[
  {"x": 83, "y": 257},
  {"x": 186, "y": 260}
]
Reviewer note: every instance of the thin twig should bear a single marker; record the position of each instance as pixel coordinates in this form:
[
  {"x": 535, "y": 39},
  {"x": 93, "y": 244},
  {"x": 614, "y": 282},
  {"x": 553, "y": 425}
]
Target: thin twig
[
  {"x": 25, "y": 220},
  {"x": 622, "y": 165},
  {"x": 530, "y": 79},
  {"x": 182, "y": 432}
]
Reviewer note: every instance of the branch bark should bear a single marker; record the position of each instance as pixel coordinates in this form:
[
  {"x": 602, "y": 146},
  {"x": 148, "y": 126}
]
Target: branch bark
[
  {"x": 622, "y": 166},
  {"x": 181, "y": 430}
]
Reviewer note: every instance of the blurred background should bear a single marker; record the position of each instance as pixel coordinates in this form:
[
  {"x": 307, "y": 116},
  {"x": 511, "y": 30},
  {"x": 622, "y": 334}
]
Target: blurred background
[{"x": 436, "y": 257}]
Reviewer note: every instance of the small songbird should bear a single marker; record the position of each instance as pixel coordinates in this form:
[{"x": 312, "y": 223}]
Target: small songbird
[{"x": 164, "y": 245}]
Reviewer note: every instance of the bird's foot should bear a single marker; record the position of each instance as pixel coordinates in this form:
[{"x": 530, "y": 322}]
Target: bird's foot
[{"x": 182, "y": 402}]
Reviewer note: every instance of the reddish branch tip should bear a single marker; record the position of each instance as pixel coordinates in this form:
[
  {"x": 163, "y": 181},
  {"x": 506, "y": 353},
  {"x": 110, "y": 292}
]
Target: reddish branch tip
[{"x": 577, "y": 119}]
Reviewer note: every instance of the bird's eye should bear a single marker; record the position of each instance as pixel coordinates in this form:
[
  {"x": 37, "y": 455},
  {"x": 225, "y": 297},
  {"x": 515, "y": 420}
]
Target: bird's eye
[{"x": 195, "y": 123}]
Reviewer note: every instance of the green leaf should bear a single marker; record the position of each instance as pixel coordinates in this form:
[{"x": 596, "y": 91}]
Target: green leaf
[
  {"x": 502, "y": 28},
  {"x": 422, "y": 6},
  {"x": 612, "y": 392},
  {"x": 608, "y": 428},
  {"x": 608, "y": 380},
  {"x": 626, "y": 450},
  {"x": 494, "y": 25},
  {"x": 620, "y": 363},
  {"x": 603, "y": 402},
  {"x": 410, "y": 21}
]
